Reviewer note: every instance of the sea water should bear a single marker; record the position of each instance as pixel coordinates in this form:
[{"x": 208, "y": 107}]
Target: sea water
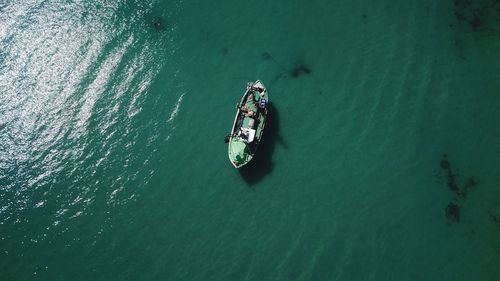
[{"x": 380, "y": 159}]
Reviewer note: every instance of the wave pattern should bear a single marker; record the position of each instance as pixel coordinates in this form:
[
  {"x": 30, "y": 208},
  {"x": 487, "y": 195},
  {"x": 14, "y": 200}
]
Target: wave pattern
[{"x": 72, "y": 88}]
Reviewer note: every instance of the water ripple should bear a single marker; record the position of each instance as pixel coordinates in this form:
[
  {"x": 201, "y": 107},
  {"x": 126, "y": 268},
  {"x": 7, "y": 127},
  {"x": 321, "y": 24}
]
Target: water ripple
[{"x": 72, "y": 84}]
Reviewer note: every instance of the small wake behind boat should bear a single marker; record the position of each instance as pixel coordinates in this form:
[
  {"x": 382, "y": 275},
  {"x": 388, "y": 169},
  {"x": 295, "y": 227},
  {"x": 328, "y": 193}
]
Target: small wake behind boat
[{"x": 248, "y": 125}]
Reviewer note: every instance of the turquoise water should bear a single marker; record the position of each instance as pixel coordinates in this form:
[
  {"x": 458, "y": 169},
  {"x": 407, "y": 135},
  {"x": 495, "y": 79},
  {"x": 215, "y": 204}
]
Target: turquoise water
[{"x": 113, "y": 166}]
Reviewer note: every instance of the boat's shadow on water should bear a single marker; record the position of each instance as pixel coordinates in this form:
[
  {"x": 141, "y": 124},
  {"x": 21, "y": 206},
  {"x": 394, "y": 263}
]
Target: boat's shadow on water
[{"x": 263, "y": 164}]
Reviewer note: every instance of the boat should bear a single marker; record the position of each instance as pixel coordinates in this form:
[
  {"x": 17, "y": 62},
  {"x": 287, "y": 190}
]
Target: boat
[{"x": 248, "y": 125}]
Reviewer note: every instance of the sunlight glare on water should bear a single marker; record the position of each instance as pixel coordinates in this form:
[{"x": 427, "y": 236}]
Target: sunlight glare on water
[{"x": 71, "y": 82}]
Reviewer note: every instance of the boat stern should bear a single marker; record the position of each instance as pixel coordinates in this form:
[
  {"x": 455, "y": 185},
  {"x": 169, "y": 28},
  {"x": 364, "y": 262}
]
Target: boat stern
[{"x": 239, "y": 153}]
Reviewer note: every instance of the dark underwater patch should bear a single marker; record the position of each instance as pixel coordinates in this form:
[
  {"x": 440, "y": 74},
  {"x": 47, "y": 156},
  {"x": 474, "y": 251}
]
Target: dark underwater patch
[
  {"x": 159, "y": 24},
  {"x": 295, "y": 72},
  {"x": 469, "y": 184},
  {"x": 475, "y": 23},
  {"x": 453, "y": 212},
  {"x": 299, "y": 69},
  {"x": 495, "y": 219},
  {"x": 445, "y": 164},
  {"x": 451, "y": 177},
  {"x": 478, "y": 15},
  {"x": 453, "y": 209},
  {"x": 266, "y": 56}
]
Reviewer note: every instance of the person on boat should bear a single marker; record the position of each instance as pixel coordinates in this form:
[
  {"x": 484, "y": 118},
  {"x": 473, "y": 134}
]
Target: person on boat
[
  {"x": 244, "y": 134},
  {"x": 244, "y": 108},
  {"x": 250, "y": 114},
  {"x": 262, "y": 103}
]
